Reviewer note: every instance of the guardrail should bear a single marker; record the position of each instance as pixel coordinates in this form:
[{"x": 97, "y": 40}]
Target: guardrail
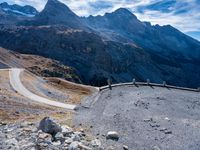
[{"x": 148, "y": 84}]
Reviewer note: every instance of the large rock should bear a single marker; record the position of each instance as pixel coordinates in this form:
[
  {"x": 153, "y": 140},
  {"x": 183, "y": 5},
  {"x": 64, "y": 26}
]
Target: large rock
[
  {"x": 48, "y": 125},
  {"x": 112, "y": 135}
]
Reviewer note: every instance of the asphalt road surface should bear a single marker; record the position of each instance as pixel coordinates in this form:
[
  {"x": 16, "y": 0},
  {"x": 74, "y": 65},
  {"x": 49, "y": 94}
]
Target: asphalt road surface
[
  {"x": 17, "y": 85},
  {"x": 147, "y": 118}
]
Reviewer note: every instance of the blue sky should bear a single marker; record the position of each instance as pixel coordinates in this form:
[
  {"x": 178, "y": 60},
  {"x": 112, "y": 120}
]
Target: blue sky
[{"x": 182, "y": 14}]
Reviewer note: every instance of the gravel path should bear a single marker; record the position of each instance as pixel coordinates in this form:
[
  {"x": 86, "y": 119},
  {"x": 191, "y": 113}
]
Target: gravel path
[
  {"x": 145, "y": 117},
  {"x": 18, "y": 86}
]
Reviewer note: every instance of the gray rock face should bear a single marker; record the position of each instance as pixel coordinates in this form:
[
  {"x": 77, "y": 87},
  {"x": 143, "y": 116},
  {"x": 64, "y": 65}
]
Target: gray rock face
[
  {"x": 56, "y": 13},
  {"x": 48, "y": 125}
]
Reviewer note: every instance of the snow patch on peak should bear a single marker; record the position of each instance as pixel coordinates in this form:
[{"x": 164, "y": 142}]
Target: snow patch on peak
[{"x": 18, "y": 12}]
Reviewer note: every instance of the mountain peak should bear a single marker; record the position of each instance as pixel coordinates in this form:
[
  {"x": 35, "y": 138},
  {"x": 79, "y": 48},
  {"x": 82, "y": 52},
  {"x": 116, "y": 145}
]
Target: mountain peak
[
  {"x": 124, "y": 12},
  {"x": 56, "y": 12},
  {"x": 4, "y": 4},
  {"x": 56, "y": 5},
  {"x": 49, "y": 2}
]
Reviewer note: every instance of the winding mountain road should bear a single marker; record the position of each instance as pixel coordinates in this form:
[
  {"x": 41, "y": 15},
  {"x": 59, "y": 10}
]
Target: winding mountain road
[{"x": 17, "y": 85}]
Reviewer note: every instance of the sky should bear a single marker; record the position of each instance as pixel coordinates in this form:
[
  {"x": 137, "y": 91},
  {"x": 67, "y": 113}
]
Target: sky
[{"x": 182, "y": 14}]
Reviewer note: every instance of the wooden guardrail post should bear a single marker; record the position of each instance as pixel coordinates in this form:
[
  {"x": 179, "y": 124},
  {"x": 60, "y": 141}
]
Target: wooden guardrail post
[
  {"x": 148, "y": 81},
  {"x": 134, "y": 81},
  {"x": 109, "y": 83},
  {"x": 164, "y": 83}
]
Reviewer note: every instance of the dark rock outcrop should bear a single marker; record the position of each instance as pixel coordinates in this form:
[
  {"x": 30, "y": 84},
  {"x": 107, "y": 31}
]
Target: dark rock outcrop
[{"x": 48, "y": 125}]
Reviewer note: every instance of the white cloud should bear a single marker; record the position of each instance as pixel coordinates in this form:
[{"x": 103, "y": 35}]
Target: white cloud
[{"x": 188, "y": 21}]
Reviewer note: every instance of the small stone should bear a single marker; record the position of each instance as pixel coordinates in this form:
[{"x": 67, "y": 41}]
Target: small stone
[
  {"x": 66, "y": 131},
  {"x": 81, "y": 146},
  {"x": 68, "y": 140},
  {"x": 82, "y": 130},
  {"x": 57, "y": 143},
  {"x": 155, "y": 148},
  {"x": 163, "y": 129},
  {"x": 125, "y": 147},
  {"x": 73, "y": 146},
  {"x": 147, "y": 120},
  {"x": 32, "y": 148},
  {"x": 76, "y": 137},
  {"x": 42, "y": 144},
  {"x": 44, "y": 135},
  {"x": 110, "y": 148},
  {"x": 166, "y": 118},
  {"x": 12, "y": 141},
  {"x": 168, "y": 132},
  {"x": 112, "y": 135},
  {"x": 154, "y": 125},
  {"x": 59, "y": 136},
  {"x": 3, "y": 123},
  {"x": 96, "y": 143},
  {"x": 27, "y": 129}
]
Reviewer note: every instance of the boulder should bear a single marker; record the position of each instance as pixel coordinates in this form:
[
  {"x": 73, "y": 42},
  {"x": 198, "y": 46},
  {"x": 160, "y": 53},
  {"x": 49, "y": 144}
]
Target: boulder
[
  {"x": 125, "y": 147},
  {"x": 113, "y": 135},
  {"x": 48, "y": 125}
]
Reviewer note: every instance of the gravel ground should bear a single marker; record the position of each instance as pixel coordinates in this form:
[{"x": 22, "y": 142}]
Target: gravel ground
[{"x": 145, "y": 117}]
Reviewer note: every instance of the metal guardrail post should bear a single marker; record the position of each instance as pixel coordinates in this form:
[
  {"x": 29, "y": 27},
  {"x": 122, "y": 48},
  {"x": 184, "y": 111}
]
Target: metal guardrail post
[
  {"x": 148, "y": 81},
  {"x": 134, "y": 81}
]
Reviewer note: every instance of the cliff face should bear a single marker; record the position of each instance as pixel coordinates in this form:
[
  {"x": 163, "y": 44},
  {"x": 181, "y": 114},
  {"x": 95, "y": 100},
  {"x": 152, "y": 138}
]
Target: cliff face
[{"x": 115, "y": 45}]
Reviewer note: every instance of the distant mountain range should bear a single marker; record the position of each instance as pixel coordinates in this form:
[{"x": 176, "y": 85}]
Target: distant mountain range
[
  {"x": 116, "y": 45},
  {"x": 28, "y": 11}
]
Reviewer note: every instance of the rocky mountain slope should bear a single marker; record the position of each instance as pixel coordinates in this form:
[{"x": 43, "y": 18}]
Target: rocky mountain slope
[
  {"x": 38, "y": 65},
  {"x": 152, "y": 38},
  {"x": 116, "y": 45}
]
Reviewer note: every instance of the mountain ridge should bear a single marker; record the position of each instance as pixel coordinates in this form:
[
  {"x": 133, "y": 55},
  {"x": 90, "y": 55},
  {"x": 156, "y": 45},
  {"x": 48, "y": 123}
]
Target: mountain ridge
[
  {"x": 116, "y": 45},
  {"x": 26, "y": 10}
]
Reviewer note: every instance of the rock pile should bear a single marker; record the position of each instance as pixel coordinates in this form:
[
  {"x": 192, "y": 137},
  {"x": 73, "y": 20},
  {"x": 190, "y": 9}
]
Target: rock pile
[
  {"x": 48, "y": 136},
  {"x": 51, "y": 135}
]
